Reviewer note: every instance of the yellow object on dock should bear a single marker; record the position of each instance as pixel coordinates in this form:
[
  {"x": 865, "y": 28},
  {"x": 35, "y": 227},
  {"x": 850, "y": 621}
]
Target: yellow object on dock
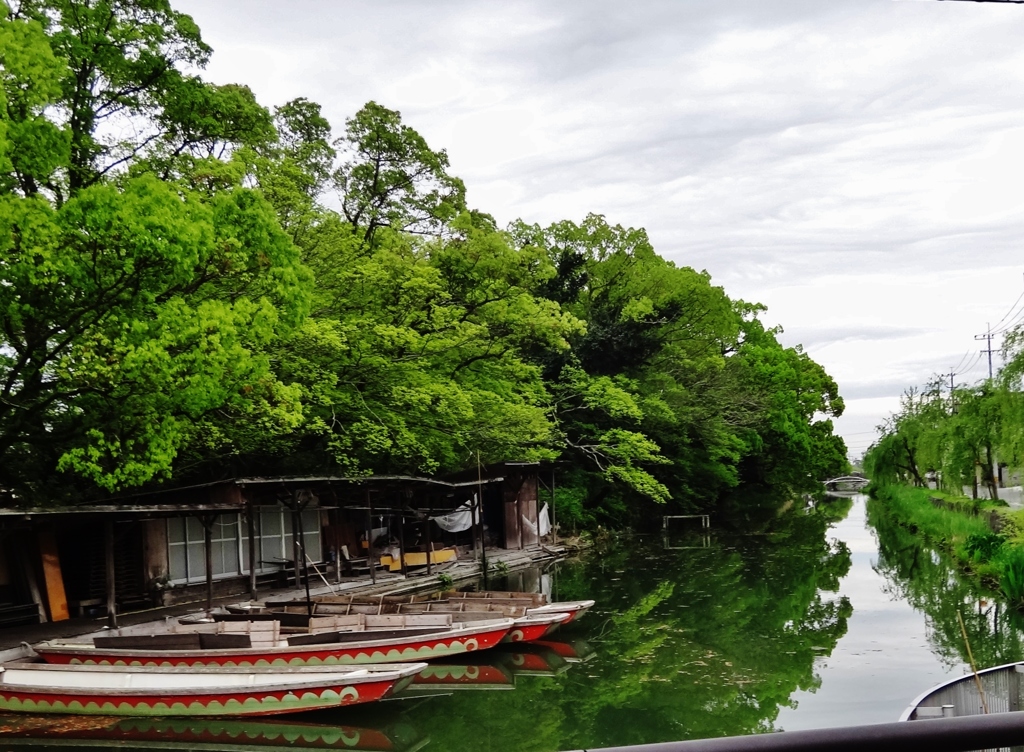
[{"x": 417, "y": 559}]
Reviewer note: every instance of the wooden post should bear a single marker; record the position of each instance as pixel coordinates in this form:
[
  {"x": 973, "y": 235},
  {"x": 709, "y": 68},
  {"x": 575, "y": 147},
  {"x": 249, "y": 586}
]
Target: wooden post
[
  {"x": 430, "y": 542},
  {"x": 335, "y": 517},
  {"x": 296, "y": 548},
  {"x": 480, "y": 514},
  {"x": 369, "y": 536},
  {"x": 29, "y": 568},
  {"x": 207, "y": 520},
  {"x": 111, "y": 582},
  {"x": 472, "y": 524},
  {"x": 554, "y": 520},
  {"x": 251, "y": 511},
  {"x": 305, "y": 558},
  {"x": 401, "y": 538}
]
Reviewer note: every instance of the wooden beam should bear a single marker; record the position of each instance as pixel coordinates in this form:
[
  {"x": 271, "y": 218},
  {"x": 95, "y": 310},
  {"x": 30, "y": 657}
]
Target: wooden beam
[
  {"x": 28, "y": 567},
  {"x": 52, "y": 575}
]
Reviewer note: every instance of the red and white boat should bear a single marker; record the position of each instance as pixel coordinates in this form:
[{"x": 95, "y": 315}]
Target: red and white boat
[
  {"x": 455, "y": 601},
  {"x": 539, "y": 603},
  {"x": 193, "y": 691},
  {"x": 335, "y": 648},
  {"x": 528, "y": 625}
]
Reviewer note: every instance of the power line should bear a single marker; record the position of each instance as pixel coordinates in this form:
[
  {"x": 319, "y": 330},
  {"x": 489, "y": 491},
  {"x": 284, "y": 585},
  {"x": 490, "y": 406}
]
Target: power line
[
  {"x": 1011, "y": 324},
  {"x": 970, "y": 366},
  {"x": 966, "y": 355},
  {"x": 1010, "y": 312}
]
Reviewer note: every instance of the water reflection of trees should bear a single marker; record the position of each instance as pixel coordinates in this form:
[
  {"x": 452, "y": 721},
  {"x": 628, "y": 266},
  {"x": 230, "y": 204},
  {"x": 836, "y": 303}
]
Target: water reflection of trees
[
  {"x": 929, "y": 581},
  {"x": 695, "y": 643}
]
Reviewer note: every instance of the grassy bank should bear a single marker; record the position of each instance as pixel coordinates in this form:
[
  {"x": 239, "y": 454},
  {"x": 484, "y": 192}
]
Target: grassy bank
[{"x": 967, "y": 529}]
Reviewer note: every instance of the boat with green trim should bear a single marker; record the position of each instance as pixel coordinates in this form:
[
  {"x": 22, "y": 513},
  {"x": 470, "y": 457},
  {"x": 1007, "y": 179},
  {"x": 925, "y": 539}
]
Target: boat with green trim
[
  {"x": 193, "y": 691},
  {"x": 336, "y": 648}
]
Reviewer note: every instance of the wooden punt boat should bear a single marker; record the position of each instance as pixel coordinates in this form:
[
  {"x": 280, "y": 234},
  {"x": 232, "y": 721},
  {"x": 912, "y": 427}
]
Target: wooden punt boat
[
  {"x": 193, "y": 691},
  {"x": 529, "y": 625},
  {"x": 318, "y": 649},
  {"x": 1000, "y": 688},
  {"x": 457, "y": 600},
  {"x": 540, "y": 602}
]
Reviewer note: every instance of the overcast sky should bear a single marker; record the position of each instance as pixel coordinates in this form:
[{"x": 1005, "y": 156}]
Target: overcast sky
[{"x": 855, "y": 165}]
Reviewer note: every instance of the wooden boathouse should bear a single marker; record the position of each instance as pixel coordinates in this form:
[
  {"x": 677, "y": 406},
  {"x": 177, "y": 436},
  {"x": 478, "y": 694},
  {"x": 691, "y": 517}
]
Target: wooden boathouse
[{"x": 243, "y": 535}]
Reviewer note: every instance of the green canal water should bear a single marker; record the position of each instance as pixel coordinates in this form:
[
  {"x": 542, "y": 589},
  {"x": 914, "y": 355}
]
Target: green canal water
[{"x": 826, "y": 618}]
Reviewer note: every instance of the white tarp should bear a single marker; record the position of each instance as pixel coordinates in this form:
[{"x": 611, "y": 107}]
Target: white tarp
[
  {"x": 543, "y": 526},
  {"x": 544, "y": 521},
  {"x": 459, "y": 520}
]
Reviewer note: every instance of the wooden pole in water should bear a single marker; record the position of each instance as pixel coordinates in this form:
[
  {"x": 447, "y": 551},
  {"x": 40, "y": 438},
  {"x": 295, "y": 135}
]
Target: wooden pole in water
[{"x": 977, "y": 679}]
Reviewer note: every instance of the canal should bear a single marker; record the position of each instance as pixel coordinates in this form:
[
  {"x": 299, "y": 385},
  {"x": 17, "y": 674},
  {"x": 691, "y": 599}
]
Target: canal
[{"x": 827, "y": 617}]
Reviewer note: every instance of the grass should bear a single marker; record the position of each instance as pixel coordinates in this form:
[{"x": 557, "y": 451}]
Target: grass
[
  {"x": 961, "y": 526},
  {"x": 948, "y": 527}
]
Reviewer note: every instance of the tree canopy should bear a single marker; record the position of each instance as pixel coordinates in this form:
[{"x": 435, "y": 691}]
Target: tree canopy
[{"x": 232, "y": 289}]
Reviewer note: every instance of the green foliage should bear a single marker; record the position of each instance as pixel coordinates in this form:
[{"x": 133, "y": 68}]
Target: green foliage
[
  {"x": 389, "y": 177},
  {"x": 135, "y": 312},
  {"x": 967, "y": 537},
  {"x": 933, "y": 582},
  {"x": 981, "y": 547},
  {"x": 177, "y": 301},
  {"x": 1009, "y": 563}
]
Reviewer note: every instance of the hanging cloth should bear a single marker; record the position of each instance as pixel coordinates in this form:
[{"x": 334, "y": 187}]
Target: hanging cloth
[
  {"x": 544, "y": 521},
  {"x": 459, "y": 520}
]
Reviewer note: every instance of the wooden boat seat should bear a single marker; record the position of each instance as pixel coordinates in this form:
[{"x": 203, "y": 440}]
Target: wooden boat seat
[
  {"x": 187, "y": 641},
  {"x": 324, "y": 638},
  {"x": 261, "y": 634}
]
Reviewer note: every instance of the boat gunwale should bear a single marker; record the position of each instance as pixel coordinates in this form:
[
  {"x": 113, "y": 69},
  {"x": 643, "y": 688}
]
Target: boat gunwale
[
  {"x": 300, "y": 683},
  {"x": 916, "y": 702},
  {"x": 57, "y": 647}
]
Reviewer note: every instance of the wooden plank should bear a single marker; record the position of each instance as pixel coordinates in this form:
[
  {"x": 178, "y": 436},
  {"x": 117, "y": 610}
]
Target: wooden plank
[
  {"x": 224, "y": 641},
  {"x": 187, "y": 641},
  {"x": 55, "y": 596}
]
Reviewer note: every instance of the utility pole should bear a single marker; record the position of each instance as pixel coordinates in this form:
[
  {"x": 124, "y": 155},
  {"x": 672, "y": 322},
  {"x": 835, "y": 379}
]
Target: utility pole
[
  {"x": 988, "y": 350},
  {"x": 952, "y": 394}
]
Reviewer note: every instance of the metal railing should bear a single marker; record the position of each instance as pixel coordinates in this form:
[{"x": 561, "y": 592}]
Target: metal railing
[{"x": 939, "y": 735}]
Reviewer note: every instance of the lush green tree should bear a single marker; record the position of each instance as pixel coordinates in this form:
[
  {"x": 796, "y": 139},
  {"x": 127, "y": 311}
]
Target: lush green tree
[
  {"x": 674, "y": 391},
  {"x": 390, "y": 177},
  {"x": 412, "y": 359},
  {"x": 132, "y": 309}
]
